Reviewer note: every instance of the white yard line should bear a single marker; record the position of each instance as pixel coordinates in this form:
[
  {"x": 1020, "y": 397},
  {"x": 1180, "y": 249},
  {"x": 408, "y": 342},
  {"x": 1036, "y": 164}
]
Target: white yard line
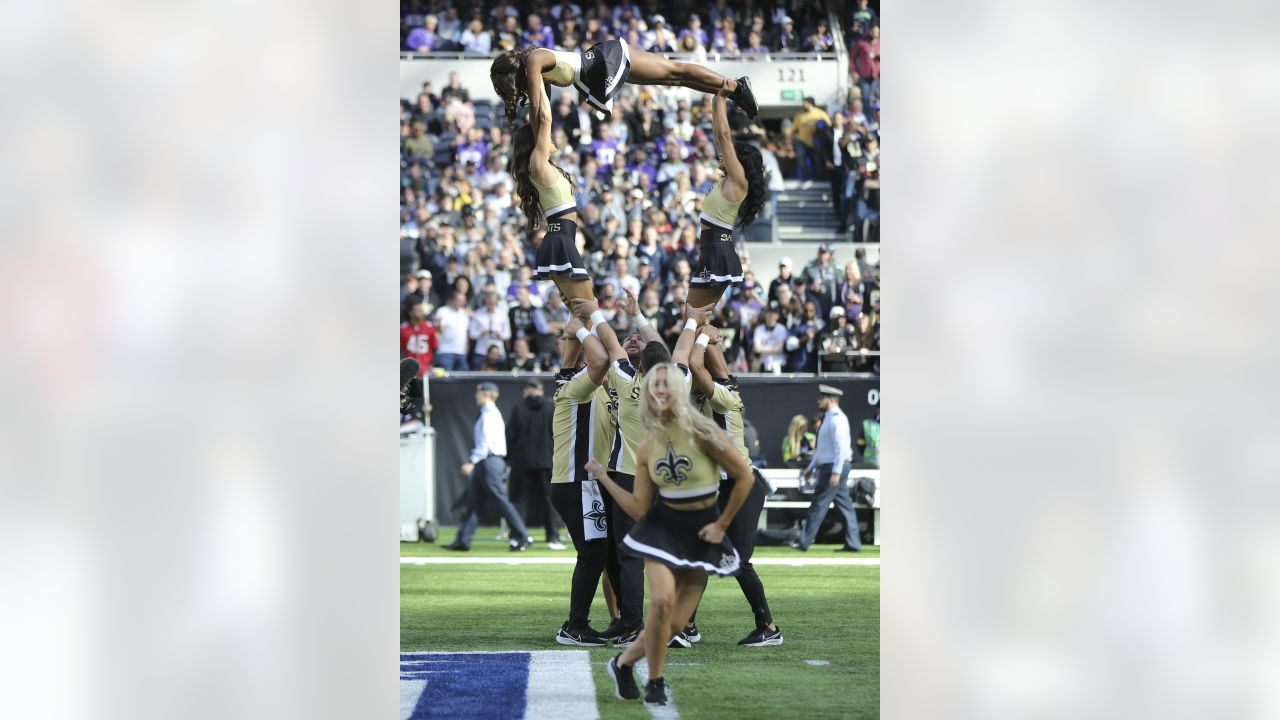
[
  {"x": 561, "y": 686},
  {"x": 480, "y": 560},
  {"x": 661, "y": 712}
]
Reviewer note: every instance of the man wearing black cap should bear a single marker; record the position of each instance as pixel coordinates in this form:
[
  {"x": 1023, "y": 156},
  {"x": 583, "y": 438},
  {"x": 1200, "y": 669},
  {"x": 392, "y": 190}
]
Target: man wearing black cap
[
  {"x": 831, "y": 461},
  {"x": 486, "y": 467},
  {"x": 822, "y": 269},
  {"x": 529, "y": 439}
]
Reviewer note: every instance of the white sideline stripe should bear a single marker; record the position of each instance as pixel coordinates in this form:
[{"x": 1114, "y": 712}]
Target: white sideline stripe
[
  {"x": 797, "y": 562},
  {"x": 560, "y": 684},
  {"x": 410, "y": 691}
]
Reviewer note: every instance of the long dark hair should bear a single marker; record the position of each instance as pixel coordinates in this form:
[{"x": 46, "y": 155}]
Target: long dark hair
[
  {"x": 521, "y": 150},
  {"x": 757, "y": 182},
  {"x": 508, "y": 76}
]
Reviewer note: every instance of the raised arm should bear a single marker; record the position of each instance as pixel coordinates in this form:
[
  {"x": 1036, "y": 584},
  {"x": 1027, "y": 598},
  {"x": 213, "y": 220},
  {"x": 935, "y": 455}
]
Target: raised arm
[
  {"x": 735, "y": 177},
  {"x": 702, "y": 383},
  {"x": 588, "y": 313},
  {"x": 539, "y": 61},
  {"x": 684, "y": 344},
  {"x": 714, "y": 359},
  {"x": 638, "y": 321}
]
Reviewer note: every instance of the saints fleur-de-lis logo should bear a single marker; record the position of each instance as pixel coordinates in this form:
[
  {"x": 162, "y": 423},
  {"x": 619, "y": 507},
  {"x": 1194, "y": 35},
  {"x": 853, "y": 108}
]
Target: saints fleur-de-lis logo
[
  {"x": 596, "y": 515},
  {"x": 726, "y": 560},
  {"x": 673, "y": 468}
]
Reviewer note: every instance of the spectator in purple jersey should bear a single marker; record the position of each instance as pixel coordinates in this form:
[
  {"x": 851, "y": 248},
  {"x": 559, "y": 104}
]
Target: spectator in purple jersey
[
  {"x": 725, "y": 38},
  {"x": 821, "y": 40},
  {"x": 423, "y": 39},
  {"x": 604, "y": 147},
  {"x": 755, "y": 44},
  {"x": 474, "y": 150},
  {"x": 640, "y": 165},
  {"x": 537, "y": 34},
  {"x": 695, "y": 30}
]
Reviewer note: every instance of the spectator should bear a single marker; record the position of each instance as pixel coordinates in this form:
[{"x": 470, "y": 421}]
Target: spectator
[
  {"x": 782, "y": 280},
  {"x": 821, "y": 40},
  {"x": 529, "y": 455},
  {"x": 755, "y": 45},
  {"x": 769, "y": 342},
  {"x": 493, "y": 360},
  {"x": 834, "y": 144},
  {"x": 823, "y": 270},
  {"x": 454, "y": 90},
  {"x": 536, "y": 34},
  {"x": 550, "y": 321},
  {"x": 868, "y": 188},
  {"x": 806, "y": 122},
  {"x": 866, "y": 451},
  {"x": 695, "y": 31},
  {"x": 489, "y": 328},
  {"x": 862, "y": 19},
  {"x": 422, "y": 292},
  {"x": 522, "y": 315},
  {"x": 423, "y": 39},
  {"x": 802, "y": 345},
  {"x": 450, "y": 27},
  {"x": 419, "y": 147},
  {"x": 798, "y": 444},
  {"x": 866, "y": 62},
  {"x": 747, "y": 303},
  {"x": 453, "y": 320},
  {"x": 418, "y": 338},
  {"x": 784, "y": 144},
  {"x": 475, "y": 39},
  {"x": 725, "y": 38},
  {"x": 839, "y": 336},
  {"x": 508, "y": 36},
  {"x": 522, "y": 357},
  {"x": 622, "y": 280},
  {"x": 789, "y": 40}
]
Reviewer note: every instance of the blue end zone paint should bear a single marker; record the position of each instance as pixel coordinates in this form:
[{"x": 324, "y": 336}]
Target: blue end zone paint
[{"x": 468, "y": 685}]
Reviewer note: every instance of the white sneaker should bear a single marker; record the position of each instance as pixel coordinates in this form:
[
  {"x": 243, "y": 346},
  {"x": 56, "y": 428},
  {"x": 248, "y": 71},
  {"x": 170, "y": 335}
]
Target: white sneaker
[{"x": 556, "y": 546}]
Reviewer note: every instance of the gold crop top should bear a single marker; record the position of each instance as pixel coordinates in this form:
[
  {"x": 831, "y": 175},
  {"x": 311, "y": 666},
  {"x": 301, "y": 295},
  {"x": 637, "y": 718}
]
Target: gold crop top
[
  {"x": 682, "y": 472},
  {"x": 719, "y": 210},
  {"x": 557, "y": 198},
  {"x": 565, "y": 73}
]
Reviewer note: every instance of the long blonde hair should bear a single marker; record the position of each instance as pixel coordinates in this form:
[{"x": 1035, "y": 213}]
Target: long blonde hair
[
  {"x": 795, "y": 433},
  {"x": 684, "y": 417}
]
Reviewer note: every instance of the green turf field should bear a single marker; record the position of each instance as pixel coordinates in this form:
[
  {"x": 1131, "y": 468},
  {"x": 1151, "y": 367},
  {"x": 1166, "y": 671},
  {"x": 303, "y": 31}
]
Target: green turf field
[{"x": 828, "y": 614}]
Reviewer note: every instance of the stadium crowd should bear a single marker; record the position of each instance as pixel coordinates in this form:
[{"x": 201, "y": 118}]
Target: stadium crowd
[{"x": 467, "y": 298}]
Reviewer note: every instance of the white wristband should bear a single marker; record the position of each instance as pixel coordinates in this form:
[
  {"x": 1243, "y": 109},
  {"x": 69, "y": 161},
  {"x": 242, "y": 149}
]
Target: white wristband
[
  {"x": 597, "y": 317},
  {"x": 582, "y": 334},
  {"x": 703, "y": 340},
  {"x": 690, "y": 324},
  {"x": 640, "y": 321}
]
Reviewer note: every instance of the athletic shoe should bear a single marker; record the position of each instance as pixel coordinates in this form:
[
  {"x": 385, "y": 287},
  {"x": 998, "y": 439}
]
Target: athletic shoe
[
  {"x": 455, "y": 545},
  {"x": 655, "y": 692},
  {"x": 762, "y": 637},
  {"x": 624, "y": 683},
  {"x": 555, "y": 545},
  {"x": 582, "y": 637},
  {"x": 798, "y": 546},
  {"x": 679, "y": 641},
  {"x": 615, "y": 629},
  {"x": 502, "y": 537},
  {"x": 521, "y": 546},
  {"x": 627, "y": 637},
  {"x": 848, "y": 548},
  {"x": 744, "y": 98},
  {"x": 691, "y": 632}
]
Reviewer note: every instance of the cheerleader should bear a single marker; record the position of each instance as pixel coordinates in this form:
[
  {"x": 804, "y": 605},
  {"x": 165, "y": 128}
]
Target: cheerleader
[{"x": 681, "y": 536}]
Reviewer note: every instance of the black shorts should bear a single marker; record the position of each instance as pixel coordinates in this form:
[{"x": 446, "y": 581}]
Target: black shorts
[
  {"x": 605, "y": 69},
  {"x": 670, "y": 536},
  {"x": 558, "y": 253},
  {"x": 718, "y": 263}
]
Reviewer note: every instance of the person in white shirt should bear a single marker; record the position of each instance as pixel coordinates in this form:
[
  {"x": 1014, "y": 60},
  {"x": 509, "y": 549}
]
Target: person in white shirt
[
  {"x": 490, "y": 327},
  {"x": 831, "y": 461},
  {"x": 769, "y": 341},
  {"x": 452, "y": 323},
  {"x": 622, "y": 280},
  {"x": 486, "y": 465},
  {"x": 475, "y": 39}
]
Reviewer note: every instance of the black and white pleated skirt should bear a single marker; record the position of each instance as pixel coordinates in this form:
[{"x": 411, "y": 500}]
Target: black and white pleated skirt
[
  {"x": 718, "y": 262},
  {"x": 605, "y": 69},
  {"x": 558, "y": 253},
  {"x": 670, "y": 537}
]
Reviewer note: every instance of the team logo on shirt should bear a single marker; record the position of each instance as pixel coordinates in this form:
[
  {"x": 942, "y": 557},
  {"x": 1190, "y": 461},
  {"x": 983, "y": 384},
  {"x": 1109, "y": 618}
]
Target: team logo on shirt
[{"x": 673, "y": 468}]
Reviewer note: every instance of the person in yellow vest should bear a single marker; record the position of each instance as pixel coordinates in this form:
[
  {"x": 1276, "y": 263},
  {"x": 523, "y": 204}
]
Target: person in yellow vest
[
  {"x": 806, "y": 122},
  {"x": 716, "y": 395},
  {"x": 599, "y": 74},
  {"x": 576, "y": 497},
  {"x": 682, "y": 536}
]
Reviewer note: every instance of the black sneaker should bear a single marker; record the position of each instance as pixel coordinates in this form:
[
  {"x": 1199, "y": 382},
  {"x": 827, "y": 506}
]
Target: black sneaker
[
  {"x": 679, "y": 641},
  {"x": 521, "y": 546},
  {"x": 582, "y": 637},
  {"x": 615, "y": 629},
  {"x": 624, "y": 683},
  {"x": 744, "y": 98},
  {"x": 627, "y": 637},
  {"x": 691, "y": 633},
  {"x": 762, "y": 637},
  {"x": 455, "y": 545},
  {"x": 655, "y": 692}
]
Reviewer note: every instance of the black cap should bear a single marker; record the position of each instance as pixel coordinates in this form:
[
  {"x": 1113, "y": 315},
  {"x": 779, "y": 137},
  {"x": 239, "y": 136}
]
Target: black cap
[{"x": 487, "y": 387}]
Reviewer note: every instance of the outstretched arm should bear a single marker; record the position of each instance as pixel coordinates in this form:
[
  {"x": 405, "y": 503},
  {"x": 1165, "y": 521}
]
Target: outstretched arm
[
  {"x": 735, "y": 177},
  {"x": 539, "y": 104},
  {"x": 588, "y": 312}
]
